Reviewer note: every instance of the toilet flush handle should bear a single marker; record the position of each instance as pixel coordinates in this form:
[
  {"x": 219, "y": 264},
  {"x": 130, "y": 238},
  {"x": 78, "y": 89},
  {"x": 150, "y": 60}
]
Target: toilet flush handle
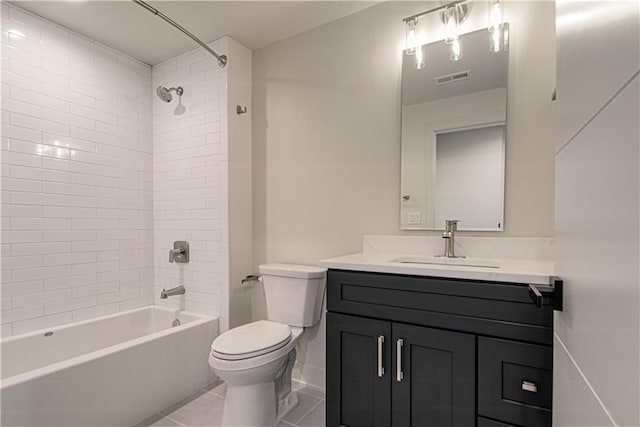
[{"x": 251, "y": 280}]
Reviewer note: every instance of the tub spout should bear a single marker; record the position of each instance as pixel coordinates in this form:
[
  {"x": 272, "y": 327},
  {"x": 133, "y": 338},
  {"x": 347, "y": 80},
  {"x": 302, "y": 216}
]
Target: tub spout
[{"x": 178, "y": 290}]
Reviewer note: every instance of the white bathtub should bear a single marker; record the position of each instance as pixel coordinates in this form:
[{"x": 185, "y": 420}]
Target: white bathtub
[{"x": 115, "y": 370}]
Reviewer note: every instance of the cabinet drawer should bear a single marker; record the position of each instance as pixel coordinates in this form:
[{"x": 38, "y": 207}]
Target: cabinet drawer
[
  {"x": 515, "y": 382},
  {"x": 488, "y": 308}
]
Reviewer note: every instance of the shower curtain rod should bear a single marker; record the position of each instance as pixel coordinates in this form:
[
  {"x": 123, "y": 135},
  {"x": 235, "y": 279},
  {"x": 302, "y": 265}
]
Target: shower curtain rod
[{"x": 222, "y": 59}]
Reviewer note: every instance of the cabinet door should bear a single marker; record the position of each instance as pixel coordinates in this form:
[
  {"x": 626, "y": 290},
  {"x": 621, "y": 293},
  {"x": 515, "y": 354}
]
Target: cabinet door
[
  {"x": 433, "y": 377},
  {"x": 515, "y": 382},
  {"x": 358, "y": 372}
]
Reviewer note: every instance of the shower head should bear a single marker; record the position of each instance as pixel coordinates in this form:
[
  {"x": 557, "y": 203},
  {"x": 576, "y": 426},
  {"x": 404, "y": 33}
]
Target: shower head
[{"x": 165, "y": 94}]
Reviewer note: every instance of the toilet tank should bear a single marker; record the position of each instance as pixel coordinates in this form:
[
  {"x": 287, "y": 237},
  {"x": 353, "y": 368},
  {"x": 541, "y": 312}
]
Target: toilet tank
[{"x": 294, "y": 293}]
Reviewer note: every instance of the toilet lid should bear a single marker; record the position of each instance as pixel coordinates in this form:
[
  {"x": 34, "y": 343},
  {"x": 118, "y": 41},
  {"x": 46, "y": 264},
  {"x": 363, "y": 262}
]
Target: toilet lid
[{"x": 251, "y": 340}]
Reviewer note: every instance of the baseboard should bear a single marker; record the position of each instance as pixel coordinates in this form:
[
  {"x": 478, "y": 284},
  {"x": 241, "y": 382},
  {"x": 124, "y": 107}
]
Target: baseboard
[
  {"x": 312, "y": 377},
  {"x": 309, "y": 388}
]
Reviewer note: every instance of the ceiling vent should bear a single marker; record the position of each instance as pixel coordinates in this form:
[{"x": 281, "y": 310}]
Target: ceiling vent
[{"x": 453, "y": 77}]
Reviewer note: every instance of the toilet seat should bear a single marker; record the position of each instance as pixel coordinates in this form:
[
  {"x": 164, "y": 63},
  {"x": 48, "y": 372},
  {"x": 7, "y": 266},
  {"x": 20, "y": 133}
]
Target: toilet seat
[{"x": 251, "y": 340}]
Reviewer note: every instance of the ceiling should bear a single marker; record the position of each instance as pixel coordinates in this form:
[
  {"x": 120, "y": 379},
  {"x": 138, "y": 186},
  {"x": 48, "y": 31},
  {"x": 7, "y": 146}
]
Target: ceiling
[{"x": 131, "y": 29}]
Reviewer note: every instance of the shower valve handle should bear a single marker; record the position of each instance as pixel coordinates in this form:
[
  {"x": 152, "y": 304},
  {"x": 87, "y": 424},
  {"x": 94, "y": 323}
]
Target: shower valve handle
[{"x": 180, "y": 252}]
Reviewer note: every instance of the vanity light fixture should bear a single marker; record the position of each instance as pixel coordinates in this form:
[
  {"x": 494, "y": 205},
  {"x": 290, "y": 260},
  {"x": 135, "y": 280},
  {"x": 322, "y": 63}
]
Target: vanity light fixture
[
  {"x": 450, "y": 19},
  {"x": 495, "y": 15},
  {"x": 456, "y": 50},
  {"x": 496, "y": 26},
  {"x": 411, "y": 42},
  {"x": 453, "y": 14},
  {"x": 419, "y": 62}
]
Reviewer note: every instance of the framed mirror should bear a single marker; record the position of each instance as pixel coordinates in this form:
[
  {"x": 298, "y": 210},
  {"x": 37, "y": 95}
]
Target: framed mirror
[{"x": 454, "y": 119}]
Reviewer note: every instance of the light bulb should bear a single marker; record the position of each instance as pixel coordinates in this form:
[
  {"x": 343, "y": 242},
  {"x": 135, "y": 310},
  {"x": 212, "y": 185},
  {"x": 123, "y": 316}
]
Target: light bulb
[
  {"x": 495, "y": 15},
  {"x": 496, "y": 39},
  {"x": 451, "y": 24},
  {"x": 411, "y": 42},
  {"x": 419, "y": 62},
  {"x": 456, "y": 50},
  {"x": 505, "y": 36}
]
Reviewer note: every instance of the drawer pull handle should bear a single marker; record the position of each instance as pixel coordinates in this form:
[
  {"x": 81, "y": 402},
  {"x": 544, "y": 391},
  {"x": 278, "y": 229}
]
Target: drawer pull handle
[
  {"x": 380, "y": 348},
  {"x": 399, "y": 373},
  {"x": 529, "y": 386}
]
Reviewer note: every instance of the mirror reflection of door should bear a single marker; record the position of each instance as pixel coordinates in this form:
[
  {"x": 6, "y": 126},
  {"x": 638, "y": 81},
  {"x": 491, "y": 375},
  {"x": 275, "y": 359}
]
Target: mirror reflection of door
[{"x": 469, "y": 177}]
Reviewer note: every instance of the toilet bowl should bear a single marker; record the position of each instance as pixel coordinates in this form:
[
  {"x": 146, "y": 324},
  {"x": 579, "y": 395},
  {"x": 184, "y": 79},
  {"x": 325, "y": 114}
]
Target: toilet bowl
[
  {"x": 258, "y": 392},
  {"x": 256, "y": 359}
]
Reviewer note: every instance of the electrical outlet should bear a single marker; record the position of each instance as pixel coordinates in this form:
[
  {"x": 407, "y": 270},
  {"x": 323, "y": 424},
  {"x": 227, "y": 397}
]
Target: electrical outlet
[{"x": 413, "y": 218}]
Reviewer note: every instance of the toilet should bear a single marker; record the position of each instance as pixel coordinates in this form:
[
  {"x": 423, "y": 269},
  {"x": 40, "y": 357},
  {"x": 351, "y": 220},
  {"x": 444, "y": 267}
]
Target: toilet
[{"x": 256, "y": 359}]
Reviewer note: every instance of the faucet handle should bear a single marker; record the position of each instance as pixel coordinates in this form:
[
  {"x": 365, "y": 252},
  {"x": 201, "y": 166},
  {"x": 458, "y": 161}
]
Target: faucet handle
[
  {"x": 180, "y": 252},
  {"x": 173, "y": 253}
]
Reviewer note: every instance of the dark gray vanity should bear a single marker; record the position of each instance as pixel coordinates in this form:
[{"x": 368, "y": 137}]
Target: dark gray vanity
[{"x": 409, "y": 350}]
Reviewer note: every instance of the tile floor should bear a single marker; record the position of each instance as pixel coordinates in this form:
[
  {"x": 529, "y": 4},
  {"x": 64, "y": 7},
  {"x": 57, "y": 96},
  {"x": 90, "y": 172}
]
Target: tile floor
[{"x": 204, "y": 408}]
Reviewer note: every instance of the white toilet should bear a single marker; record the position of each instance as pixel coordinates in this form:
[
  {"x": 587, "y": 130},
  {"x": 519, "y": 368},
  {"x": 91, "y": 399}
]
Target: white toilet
[{"x": 256, "y": 359}]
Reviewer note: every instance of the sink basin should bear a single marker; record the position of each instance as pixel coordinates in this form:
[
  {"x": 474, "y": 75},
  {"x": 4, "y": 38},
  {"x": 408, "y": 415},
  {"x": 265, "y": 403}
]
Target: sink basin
[{"x": 466, "y": 262}]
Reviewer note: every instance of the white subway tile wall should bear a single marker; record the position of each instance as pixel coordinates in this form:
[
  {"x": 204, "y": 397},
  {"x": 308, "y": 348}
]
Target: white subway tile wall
[
  {"x": 190, "y": 178},
  {"x": 77, "y": 176}
]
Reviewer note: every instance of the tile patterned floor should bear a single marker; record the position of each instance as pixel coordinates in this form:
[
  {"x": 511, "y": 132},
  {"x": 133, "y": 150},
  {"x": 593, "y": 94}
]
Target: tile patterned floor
[{"x": 204, "y": 409}]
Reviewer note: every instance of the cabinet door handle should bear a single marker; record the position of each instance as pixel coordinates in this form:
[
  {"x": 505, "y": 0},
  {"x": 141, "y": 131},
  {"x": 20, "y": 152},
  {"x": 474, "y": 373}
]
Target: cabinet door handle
[
  {"x": 399, "y": 373},
  {"x": 529, "y": 386},
  {"x": 380, "y": 350}
]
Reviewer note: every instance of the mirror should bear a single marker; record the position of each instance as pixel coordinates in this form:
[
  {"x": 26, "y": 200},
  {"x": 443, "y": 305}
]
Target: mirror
[{"x": 454, "y": 118}]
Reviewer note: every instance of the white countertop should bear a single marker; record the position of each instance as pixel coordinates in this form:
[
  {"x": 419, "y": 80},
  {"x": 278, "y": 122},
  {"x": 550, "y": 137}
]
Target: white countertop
[{"x": 510, "y": 270}]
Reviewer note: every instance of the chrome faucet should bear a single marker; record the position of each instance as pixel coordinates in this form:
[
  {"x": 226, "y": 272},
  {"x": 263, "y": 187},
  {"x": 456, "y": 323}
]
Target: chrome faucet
[
  {"x": 449, "y": 235},
  {"x": 178, "y": 290}
]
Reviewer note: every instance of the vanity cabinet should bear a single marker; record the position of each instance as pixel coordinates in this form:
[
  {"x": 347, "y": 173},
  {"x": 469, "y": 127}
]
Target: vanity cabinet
[
  {"x": 427, "y": 351},
  {"x": 423, "y": 376}
]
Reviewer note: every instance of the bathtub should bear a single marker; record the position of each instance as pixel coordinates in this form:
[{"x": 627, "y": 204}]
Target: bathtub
[{"x": 115, "y": 370}]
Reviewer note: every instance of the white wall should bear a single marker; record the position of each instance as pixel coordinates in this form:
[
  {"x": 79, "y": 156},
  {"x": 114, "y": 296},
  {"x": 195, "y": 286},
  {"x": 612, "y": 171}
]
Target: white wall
[
  {"x": 239, "y": 185},
  {"x": 76, "y": 177},
  {"x": 597, "y": 342},
  {"x": 326, "y": 137},
  {"x": 189, "y": 170}
]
